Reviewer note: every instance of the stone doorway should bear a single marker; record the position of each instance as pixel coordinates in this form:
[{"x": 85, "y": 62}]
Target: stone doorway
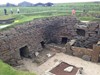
[
  {"x": 42, "y": 44},
  {"x": 80, "y": 32},
  {"x": 64, "y": 40},
  {"x": 24, "y": 52}
]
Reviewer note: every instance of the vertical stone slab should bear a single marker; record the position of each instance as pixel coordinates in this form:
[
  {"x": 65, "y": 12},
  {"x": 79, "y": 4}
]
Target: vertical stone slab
[
  {"x": 95, "y": 54},
  {"x": 68, "y": 48}
]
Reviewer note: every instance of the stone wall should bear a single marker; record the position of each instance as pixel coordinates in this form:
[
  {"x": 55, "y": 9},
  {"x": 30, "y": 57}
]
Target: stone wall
[
  {"x": 92, "y": 34},
  {"x": 87, "y": 54},
  {"x": 49, "y": 30},
  {"x": 31, "y": 35}
]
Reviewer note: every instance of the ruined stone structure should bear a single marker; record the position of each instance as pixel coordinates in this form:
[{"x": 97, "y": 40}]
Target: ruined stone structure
[{"x": 24, "y": 40}]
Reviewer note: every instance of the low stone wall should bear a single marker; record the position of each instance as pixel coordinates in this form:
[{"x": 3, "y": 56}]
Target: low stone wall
[
  {"x": 85, "y": 53},
  {"x": 78, "y": 51}
]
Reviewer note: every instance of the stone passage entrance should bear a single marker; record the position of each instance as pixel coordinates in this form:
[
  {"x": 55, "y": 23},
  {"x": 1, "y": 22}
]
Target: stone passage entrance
[
  {"x": 64, "y": 40},
  {"x": 43, "y": 44},
  {"x": 24, "y": 52},
  {"x": 80, "y": 32}
]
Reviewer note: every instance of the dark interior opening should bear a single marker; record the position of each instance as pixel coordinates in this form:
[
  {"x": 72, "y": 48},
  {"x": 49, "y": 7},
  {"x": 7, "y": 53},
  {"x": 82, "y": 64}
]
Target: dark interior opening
[
  {"x": 24, "y": 52},
  {"x": 64, "y": 40},
  {"x": 96, "y": 32},
  {"x": 80, "y": 32},
  {"x": 43, "y": 44},
  {"x": 90, "y": 46}
]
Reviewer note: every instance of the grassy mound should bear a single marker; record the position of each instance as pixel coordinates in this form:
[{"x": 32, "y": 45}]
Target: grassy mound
[{"x": 8, "y": 70}]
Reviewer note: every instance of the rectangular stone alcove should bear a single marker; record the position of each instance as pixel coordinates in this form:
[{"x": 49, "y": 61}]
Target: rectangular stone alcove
[
  {"x": 24, "y": 52},
  {"x": 80, "y": 32}
]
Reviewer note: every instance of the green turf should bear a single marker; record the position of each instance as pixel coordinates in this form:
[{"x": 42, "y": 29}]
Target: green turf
[
  {"x": 30, "y": 13},
  {"x": 8, "y": 70}
]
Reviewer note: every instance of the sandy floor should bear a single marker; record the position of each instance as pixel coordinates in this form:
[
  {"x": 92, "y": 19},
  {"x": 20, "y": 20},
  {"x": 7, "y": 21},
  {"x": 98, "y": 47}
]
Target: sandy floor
[{"x": 89, "y": 67}]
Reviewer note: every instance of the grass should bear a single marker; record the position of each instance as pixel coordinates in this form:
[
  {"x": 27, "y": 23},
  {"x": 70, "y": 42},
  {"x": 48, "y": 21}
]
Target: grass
[
  {"x": 23, "y": 18},
  {"x": 8, "y": 70},
  {"x": 85, "y": 18},
  {"x": 30, "y": 13},
  {"x": 4, "y": 17}
]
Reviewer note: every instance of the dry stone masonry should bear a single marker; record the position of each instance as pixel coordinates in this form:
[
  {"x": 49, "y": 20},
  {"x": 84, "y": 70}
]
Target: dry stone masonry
[{"x": 27, "y": 39}]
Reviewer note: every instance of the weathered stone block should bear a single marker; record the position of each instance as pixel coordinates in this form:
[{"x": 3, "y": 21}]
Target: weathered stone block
[{"x": 86, "y": 57}]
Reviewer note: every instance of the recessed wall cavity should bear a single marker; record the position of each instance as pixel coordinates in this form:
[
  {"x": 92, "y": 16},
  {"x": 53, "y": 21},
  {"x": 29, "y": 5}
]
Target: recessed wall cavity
[
  {"x": 64, "y": 40},
  {"x": 80, "y": 32},
  {"x": 24, "y": 52},
  {"x": 43, "y": 44}
]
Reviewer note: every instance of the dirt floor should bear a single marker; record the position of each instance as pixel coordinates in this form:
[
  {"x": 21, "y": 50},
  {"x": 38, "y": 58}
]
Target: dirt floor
[{"x": 89, "y": 68}]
